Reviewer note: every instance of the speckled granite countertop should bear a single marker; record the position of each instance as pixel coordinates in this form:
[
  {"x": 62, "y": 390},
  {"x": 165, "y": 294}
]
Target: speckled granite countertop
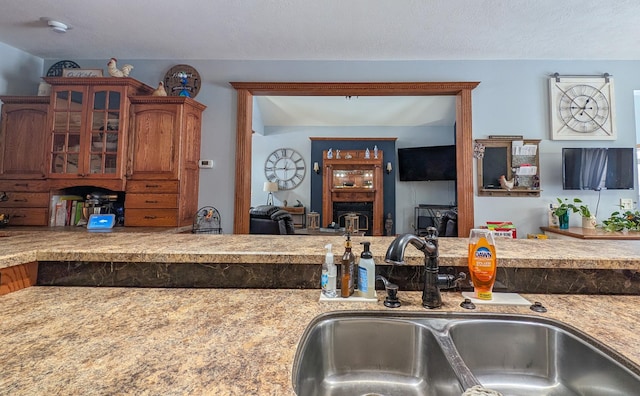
[
  {"x": 20, "y": 247},
  {"x": 129, "y": 341}
]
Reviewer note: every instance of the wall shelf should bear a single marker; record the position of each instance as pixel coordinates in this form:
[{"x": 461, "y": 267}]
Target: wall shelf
[{"x": 517, "y": 160}]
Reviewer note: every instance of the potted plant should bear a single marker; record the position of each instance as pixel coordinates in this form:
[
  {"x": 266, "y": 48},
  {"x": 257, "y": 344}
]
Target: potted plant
[
  {"x": 627, "y": 221},
  {"x": 564, "y": 207},
  {"x": 588, "y": 219}
]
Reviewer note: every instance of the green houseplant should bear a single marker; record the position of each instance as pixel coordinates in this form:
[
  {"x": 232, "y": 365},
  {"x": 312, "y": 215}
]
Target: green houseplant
[
  {"x": 626, "y": 221},
  {"x": 576, "y": 206}
]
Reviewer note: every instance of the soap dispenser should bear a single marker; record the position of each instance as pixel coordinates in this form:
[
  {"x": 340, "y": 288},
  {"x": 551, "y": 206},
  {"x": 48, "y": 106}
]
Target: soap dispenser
[
  {"x": 347, "y": 270},
  {"x": 329, "y": 270},
  {"x": 366, "y": 272}
]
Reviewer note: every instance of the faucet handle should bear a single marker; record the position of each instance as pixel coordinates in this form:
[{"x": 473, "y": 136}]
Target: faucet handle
[{"x": 391, "y": 301}]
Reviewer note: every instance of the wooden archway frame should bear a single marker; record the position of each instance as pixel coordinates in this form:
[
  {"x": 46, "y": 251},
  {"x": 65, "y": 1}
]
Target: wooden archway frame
[{"x": 464, "y": 137}]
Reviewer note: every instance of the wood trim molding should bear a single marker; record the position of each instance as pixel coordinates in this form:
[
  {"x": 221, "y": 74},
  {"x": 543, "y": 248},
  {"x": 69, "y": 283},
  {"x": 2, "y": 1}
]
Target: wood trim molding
[{"x": 464, "y": 136}]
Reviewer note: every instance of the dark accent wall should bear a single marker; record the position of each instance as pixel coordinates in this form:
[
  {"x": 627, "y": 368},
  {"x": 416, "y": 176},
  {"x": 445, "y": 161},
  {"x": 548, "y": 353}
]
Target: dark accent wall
[{"x": 388, "y": 148}]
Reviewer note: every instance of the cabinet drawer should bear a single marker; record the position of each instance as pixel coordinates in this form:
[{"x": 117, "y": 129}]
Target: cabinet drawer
[
  {"x": 151, "y": 218},
  {"x": 152, "y": 186},
  {"x": 27, "y": 216},
  {"x": 24, "y": 185},
  {"x": 151, "y": 201},
  {"x": 25, "y": 200}
]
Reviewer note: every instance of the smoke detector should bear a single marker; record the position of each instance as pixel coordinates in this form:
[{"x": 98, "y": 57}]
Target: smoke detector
[{"x": 56, "y": 26}]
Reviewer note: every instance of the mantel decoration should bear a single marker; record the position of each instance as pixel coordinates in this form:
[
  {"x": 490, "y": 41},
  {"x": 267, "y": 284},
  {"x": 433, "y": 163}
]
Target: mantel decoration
[
  {"x": 56, "y": 69},
  {"x": 582, "y": 107},
  {"x": 182, "y": 80}
]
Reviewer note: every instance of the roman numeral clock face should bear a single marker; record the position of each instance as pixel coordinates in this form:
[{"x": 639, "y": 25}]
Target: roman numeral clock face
[
  {"x": 286, "y": 167},
  {"x": 582, "y": 109}
]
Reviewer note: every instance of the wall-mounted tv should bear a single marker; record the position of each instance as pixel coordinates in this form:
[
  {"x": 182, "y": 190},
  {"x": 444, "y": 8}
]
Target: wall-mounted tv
[
  {"x": 598, "y": 168},
  {"x": 427, "y": 163}
]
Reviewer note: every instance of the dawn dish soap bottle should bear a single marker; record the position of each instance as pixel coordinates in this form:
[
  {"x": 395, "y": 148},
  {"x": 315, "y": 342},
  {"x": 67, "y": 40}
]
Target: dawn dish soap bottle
[
  {"x": 482, "y": 262},
  {"x": 366, "y": 272},
  {"x": 328, "y": 280},
  {"x": 347, "y": 270}
]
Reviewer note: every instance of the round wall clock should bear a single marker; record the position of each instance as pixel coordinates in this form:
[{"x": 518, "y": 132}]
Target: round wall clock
[
  {"x": 182, "y": 80},
  {"x": 286, "y": 167},
  {"x": 582, "y": 108}
]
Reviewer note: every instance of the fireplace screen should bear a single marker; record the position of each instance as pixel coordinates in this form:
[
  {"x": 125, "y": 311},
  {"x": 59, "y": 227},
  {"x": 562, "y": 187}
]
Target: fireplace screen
[{"x": 364, "y": 211}]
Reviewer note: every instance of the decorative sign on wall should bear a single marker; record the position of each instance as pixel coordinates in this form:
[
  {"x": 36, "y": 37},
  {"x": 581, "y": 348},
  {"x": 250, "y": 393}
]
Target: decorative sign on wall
[{"x": 182, "y": 80}]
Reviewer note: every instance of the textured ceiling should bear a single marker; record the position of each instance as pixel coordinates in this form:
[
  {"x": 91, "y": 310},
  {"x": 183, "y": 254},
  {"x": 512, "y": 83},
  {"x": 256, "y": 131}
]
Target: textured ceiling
[
  {"x": 329, "y": 30},
  {"x": 326, "y": 29},
  {"x": 357, "y": 111}
]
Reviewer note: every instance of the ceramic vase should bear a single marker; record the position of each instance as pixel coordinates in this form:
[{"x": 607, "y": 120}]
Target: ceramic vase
[{"x": 589, "y": 222}]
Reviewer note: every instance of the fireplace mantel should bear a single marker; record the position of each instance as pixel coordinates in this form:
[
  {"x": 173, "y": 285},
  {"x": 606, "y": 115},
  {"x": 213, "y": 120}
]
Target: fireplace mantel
[{"x": 353, "y": 176}]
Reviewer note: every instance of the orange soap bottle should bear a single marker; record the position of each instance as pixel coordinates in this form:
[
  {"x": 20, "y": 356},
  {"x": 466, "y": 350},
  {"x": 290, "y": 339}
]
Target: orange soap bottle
[{"x": 482, "y": 262}]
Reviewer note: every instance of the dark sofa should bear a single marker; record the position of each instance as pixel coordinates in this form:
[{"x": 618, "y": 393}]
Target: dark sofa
[{"x": 269, "y": 219}]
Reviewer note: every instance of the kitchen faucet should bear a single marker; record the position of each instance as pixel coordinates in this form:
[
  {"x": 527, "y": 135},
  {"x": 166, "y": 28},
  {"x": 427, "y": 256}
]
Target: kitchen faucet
[{"x": 433, "y": 281}]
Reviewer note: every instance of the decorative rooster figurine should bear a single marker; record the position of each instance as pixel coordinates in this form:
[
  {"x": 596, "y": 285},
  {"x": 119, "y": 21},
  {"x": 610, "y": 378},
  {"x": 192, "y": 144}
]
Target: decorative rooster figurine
[
  {"x": 506, "y": 184},
  {"x": 115, "y": 72},
  {"x": 160, "y": 91}
]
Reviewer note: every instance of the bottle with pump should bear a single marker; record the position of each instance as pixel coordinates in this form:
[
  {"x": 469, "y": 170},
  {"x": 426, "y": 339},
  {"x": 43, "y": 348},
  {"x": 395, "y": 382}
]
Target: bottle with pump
[
  {"x": 366, "y": 272},
  {"x": 482, "y": 262},
  {"x": 347, "y": 270},
  {"x": 328, "y": 280}
]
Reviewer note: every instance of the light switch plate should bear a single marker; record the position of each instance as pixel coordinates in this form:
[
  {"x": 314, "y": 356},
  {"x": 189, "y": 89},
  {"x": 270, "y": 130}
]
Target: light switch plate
[{"x": 626, "y": 203}]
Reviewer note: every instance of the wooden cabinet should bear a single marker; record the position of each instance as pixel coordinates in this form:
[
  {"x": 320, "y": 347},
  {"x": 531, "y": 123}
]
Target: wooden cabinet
[
  {"x": 23, "y": 137},
  {"x": 22, "y": 160},
  {"x": 101, "y": 132},
  {"x": 162, "y": 168},
  {"x": 88, "y": 126},
  {"x": 27, "y": 201},
  {"x": 517, "y": 159}
]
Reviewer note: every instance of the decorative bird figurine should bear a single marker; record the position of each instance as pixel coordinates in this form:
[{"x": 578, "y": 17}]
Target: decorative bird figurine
[
  {"x": 115, "y": 72},
  {"x": 506, "y": 184},
  {"x": 160, "y": 91}
]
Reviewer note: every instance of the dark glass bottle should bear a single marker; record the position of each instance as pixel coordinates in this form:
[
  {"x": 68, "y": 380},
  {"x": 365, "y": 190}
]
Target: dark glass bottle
[{"x": 348, "y": 268}]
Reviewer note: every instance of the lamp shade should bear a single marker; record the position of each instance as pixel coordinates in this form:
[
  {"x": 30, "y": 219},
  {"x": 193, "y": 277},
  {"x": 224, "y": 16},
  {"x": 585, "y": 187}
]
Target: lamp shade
[{"x": 270, "y": 187}]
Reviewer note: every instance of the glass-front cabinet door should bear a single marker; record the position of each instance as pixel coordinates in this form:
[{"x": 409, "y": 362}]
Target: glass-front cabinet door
[
  {"x": 86, "y": 133},
  {"x": 105, "y": 132}
]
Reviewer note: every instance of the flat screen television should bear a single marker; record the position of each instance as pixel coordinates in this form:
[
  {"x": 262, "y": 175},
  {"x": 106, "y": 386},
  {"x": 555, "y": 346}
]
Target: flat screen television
[
  {"x": 598, "y": 168},
  {"x": 427, "y": 163}
]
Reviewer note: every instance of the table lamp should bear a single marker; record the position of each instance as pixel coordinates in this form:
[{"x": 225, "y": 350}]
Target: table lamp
[{"x": 270, "y": 187}]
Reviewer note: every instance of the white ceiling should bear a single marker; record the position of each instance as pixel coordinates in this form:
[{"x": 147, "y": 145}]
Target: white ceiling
[
  {"x": 357, "y": 110},
  {"x": 328, "y": 30}
]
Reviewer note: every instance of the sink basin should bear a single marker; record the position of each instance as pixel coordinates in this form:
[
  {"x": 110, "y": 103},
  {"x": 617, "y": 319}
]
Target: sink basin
[
  {"x": 383, "y": 353},
  {"x": 517, "y": 357},
  {"x": 372, "y": 356}
]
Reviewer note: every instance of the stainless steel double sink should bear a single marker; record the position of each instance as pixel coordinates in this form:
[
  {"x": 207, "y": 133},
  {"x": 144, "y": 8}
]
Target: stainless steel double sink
[{"x": 384, "y": 353}]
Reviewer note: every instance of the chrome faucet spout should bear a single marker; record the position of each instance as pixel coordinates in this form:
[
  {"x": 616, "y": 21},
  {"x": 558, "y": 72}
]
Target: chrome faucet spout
[{"x": 431, "y": 297}]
